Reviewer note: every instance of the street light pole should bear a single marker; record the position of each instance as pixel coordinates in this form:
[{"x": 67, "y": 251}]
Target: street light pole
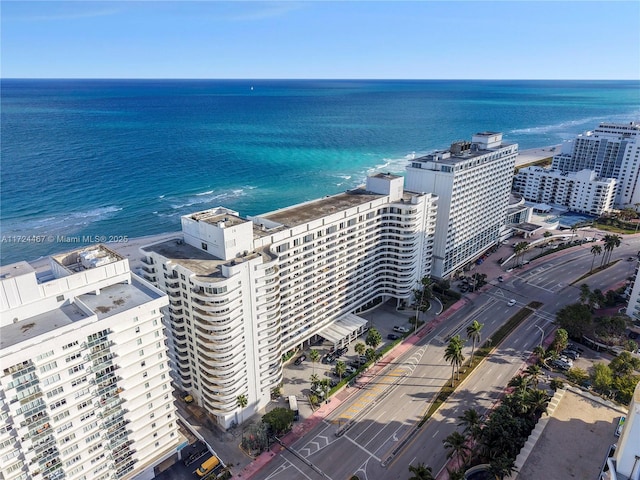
[{"x": 541, "y": 334}]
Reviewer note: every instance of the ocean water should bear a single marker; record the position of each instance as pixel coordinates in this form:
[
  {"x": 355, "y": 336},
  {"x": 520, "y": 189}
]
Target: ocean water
[{"x": 109, "y": 158}]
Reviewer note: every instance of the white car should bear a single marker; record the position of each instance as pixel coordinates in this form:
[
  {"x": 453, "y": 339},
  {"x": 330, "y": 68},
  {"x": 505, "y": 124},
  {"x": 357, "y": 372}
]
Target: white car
[
  {"x": 511, "y": 303},
  {"x": 400, "y": 329}
]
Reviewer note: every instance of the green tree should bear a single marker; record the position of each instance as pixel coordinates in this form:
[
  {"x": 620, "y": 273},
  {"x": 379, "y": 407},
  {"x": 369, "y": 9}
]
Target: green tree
[
  {"x": 576, "y": 319},
  {"x": 521, "y": 384},
  {"x": 585, "y": 293},
  {"x": 453, "y": 354},
  {"x": 611, "y": 241},
  {"x": 595, "y": 250},
  {"x": 473, "y": 334},
  {"x": 373, "y": 338},
  {"x": 279, "y": 420},
  {"x": 502, "y": 466},
  {"x": 456, "y": 444},
  {"x": 471, "y": 420},
  {"x": 561, "y": 340},
  {"x": 577, "y": 375},
  {"x": 370, "y": 353},
  {"x": 536, "y": 401},
  {"x": 624, "y": 364},
  {"x": 540, "y": 352},
  {"x": 341, "y": 368},
  {"x": 556, "y": 384},
  {"x": 534, "y": 373},
  {"x": 519, "y": 250},
  {"x": 360, "y": 348},
  {"x": 241, "y": 402},
  {"x": 601, "y": 377},
  {"x": 314, "y": 379},
  {"x": 420, "y": 472},
  {"x": 314, "y": 356}
]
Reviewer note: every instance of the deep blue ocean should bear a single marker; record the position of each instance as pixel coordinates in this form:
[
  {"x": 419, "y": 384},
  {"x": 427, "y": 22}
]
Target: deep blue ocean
[{"x": 129, "y": 157}]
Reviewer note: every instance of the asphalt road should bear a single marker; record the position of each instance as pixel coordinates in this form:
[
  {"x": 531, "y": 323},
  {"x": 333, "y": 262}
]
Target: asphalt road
[{"x": 378, "y": 419}]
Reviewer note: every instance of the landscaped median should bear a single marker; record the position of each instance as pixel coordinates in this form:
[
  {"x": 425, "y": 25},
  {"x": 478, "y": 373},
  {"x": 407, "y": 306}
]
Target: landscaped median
[{"x": 489, "y": 346}]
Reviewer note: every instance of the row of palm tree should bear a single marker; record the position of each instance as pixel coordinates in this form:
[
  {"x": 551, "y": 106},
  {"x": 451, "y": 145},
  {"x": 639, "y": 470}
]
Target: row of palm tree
[
  {"x": 519, "y": 250},
  {"x": 453, "y": 353}
]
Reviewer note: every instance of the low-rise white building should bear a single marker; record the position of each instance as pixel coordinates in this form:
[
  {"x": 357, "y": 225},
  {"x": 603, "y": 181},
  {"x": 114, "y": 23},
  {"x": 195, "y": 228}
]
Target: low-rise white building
[
  {"x": 85, "y": 389},
  {"x": 581, "y": 191},
  {"x": 245, "y": 291}
]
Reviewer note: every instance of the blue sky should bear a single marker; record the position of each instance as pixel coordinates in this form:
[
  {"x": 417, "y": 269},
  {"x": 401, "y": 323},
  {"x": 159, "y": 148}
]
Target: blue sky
[{"x": 321, "y": 39}]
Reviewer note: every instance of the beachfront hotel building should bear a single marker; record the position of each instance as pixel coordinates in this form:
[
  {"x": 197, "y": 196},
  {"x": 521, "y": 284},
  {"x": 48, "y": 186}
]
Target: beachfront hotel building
[
  {"x": 581, "y": 191},
  {"x": 472, "y": 181},
  {"x": 245, "y": 293},
  {"x": 613, "y": 151},
  {"x": 85, "y": 390}
]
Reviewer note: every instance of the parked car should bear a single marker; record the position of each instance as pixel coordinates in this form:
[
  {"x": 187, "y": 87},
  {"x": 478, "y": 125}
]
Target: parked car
[
  {"x": 500, "y": 279},
  {"x": 393, "y": 336},
  {"x": 561, "y": 364},
  {"x": 511, "y": 302},
  {"x": 300, "y": 359},
  {"x": 350, "y": 370},
  {"x": 400, "y": 329},
  {"x": 572, "y": 354},
  {"x": 328, "y": 359},
  {"x": 341, "y": 351},
  {"x": 362, "y": 358}
]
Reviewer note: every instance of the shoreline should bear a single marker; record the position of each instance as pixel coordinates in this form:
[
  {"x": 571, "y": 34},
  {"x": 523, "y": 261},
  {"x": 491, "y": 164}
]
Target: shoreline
[{"x": 130, "y": 248}]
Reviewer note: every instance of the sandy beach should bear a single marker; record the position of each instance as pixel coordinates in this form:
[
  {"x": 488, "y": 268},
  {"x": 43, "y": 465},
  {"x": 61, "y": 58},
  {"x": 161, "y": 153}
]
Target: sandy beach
[{"x": 534, "y": 154}]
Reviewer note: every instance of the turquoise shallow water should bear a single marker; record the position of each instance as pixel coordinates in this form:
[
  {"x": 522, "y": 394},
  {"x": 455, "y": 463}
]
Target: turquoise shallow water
[{"x": 129, "y": 157}]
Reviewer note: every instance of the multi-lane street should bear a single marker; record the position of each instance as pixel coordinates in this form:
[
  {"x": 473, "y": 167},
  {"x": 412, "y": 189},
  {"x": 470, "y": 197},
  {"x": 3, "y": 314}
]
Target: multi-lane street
[{"x": 376, "y": 431}]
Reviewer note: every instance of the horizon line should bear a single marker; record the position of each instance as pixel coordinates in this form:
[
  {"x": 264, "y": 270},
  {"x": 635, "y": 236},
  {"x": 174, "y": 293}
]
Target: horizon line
[{"x": 336, "y": 78}]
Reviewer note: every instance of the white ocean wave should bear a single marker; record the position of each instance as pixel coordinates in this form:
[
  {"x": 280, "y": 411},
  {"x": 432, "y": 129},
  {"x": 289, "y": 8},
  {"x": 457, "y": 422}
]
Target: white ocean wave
[
  {"x": 58, "y": 224},
  {"x": 210, "y": 196},
  {"x": 568, "y": 128}
]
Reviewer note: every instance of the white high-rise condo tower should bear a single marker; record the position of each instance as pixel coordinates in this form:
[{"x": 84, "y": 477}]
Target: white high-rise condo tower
[
  {"x": 245, "y": 291},
  {"x": 472, "y": 181},
  {"x": 613, "y": 151},
  {"x": 85, "y": 389}
]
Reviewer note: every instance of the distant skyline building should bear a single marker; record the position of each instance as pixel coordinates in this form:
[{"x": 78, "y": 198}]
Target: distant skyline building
[
  {"x": 245, "y": 293},
  {"x": 581, "y": 191},
  {"x": 613, "y": 151},
  {"x": 85, "y": 389},
  {"x": 473, "y": 183}
]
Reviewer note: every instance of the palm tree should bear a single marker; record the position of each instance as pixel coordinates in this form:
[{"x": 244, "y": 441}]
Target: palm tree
[
  {"x": 536, "y": 401},
  {"x": 314, "y": 356},
  {"x": 534, "y": 373},
  {"x": 456, "y": 444},
  {"x": 540, "y": 352},
  {"x": 453, "y": 354},
  {"x": 473, "y": 334},
  {"x": 314, "y": 379},
  {"x": 341, "y": 367},
  {"x": 519, "y": 250},
  {"x": 472, "y": 422},
  {"x": 242, "y": 402},
  {"x": 585, "y": 292},
  {"x": 595, "y": 250},
  {"x": 421, "y": 472},
  {"x": 520, "y": 383},
  {"x": 360, "y": 348},
  {"x": 373, "y": 338},
  {"x": 611, "y": 241}
]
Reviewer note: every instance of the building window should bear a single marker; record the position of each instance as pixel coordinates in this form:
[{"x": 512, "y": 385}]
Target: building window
[
  {"x": 204, "y": 246},
  {"x": 59, "y": 298}
]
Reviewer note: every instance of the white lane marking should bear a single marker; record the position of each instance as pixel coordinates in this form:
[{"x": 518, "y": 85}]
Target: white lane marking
[
  {"x": 371, "y": 454},
  {"x": 434, "y": 435}
]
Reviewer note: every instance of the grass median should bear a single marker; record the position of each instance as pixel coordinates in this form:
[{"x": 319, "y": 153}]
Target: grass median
[{"x": 487, "y": 348}]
